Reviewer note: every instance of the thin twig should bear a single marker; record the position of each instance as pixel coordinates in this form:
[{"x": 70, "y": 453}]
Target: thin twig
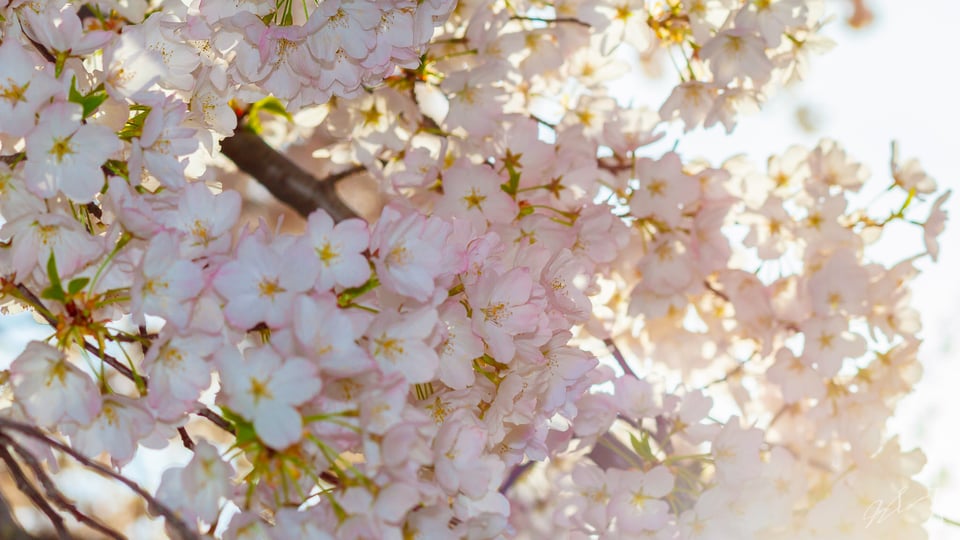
[
  {"x": 54, "y": 322},
  {"x": 220, "y": 421},
  {"x": 12, "y": 158},
  {"x": 618, "y": 356},
  {"x": 54, "y": 494},
  {"x": 556, "y": 20},
  {"x": 25, "y": 487},
  {"x": 185, "y": 438},
  {"x": 515, "y": 475},
  {"x": 154, "y": 505},
  {"x": 112, "y": 361},
  {"x": 662, "y": 435},
  {"x": 710, "y": 287},
  {"x": 290, "y": 184}
]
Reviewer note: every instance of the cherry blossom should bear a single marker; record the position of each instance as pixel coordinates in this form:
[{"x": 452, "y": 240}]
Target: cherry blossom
[
  {"x": 66, "y": 155},
  {"x": 265, "y": 387},
  {"x": 51, "y": 389}
]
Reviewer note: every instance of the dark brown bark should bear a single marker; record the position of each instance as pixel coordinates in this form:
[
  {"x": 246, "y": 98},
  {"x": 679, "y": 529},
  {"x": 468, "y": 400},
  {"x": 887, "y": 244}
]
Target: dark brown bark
[{"x": 290, "y": 184}]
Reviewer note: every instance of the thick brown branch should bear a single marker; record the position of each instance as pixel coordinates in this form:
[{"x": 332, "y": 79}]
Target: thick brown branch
[{"x": 287, "y": 182}]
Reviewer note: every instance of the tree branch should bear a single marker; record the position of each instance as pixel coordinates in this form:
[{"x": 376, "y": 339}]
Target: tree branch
[
  {"x": 113, "y": 362},
  {"x": 53, "y": 493},
  {"x": 290, "y": 184},
  {"x": 25, "y": 487},
  {"x": 157, "y": 507}
]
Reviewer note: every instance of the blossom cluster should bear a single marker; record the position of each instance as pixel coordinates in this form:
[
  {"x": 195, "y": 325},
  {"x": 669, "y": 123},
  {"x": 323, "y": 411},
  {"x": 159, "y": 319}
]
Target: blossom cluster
[{"x": 545, "y": 329}]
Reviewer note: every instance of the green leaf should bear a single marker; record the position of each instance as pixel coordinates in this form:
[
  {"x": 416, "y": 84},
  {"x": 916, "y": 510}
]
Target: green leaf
[
  {"x": 90, "y": 102},
  {"x": 134, "y": 126},
  {"x": 118, "y": 168},
  {"x": 270, "y": 105},
  {"x": 76, "y": 285},
  {"x": 642, "y": 447},
  {"x": 510, "y": 187},
  {"x": 345, "y": 298},
  {"x": 55, "y": 290},
  {"x": 242, "y": 426}
]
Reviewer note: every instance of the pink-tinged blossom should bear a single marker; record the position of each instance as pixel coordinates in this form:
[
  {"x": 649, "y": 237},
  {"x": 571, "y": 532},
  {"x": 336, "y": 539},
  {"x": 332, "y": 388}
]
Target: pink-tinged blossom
[
  {"x": 23, "y": 87},
  {"x": 669, "y": 267},
  {"x": 731, "y": 103},
  {"x": 395, "y": 39},
  {"x": 398, "y": 343},
  {"x": 839, "y": 286},
  {"x": 197, "y": 490},
  {"x": 828, "y": 342},
  {"x": 315, "y": 522},
  {"x": 385, "y": 511},
  {"x": 122, "y": 423},
  {"x": 691, "y": 101},
  {"x": 564, "y": 366},
  {"x": 737, "y": 54},
  {"x": 273, "y": 57},
  {"x": 265, "y": 388},
  {"x": 590, "y": 494},
  {"x": 409, "y": 253},
  {"x": 166, "y": 284},
  {"x": 343, "y": 28},
  {"x": 473, "y": 193},
  {"x": 600, "y": 235},
  {"x": 178, "y": 371},
  {"x": 38, "y": 236},
  {"x": 830, "y": 168},
  {"x": 664, "y": 191},
  {"x": 205, "y": 219},
  {"x": 180, "y": 59},
  {"x": 137, "y": 214},
  {"x": 51, "y": 389},
  {"x": 460, "y": 346},
  {"x": 65, "y": 155},
  {"x": 934, "y": 225},
  {"x": 475, "y": 103},
  {"x": 736, "y": 451},
  {"x": 564, "y": 293},
  {"x": 382, "y": 407},
  {"x": 60, "y": 30},
  {"x": 210, "y": 108},
  {"x": 910, "y": 176},
  {"x": 620, "y": 22},
  {"x": 771, "y": 19},
  {"x": 340, "y": 250},
  {"x": 261, "y": 284},
  {"x": 458, "y": 450},
  {"x": 163, "y": 141},
  {"x": 328, "y": 336},
  {"x": 636, "y": 499},
  {"x": 796, "y": 378},
  {"x": 130, "y": 68},
  {"x": 635, "y": 398},
  {"x": 503, "y": 307}
]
